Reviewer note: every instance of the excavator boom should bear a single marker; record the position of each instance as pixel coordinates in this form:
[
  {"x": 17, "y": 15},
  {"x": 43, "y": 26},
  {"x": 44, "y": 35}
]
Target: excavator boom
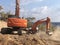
[{"x": 40, "y": 22}]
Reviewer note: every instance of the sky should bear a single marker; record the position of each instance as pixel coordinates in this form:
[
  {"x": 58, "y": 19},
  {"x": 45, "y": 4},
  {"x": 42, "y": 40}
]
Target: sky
[{"x": 35, "y": 8}]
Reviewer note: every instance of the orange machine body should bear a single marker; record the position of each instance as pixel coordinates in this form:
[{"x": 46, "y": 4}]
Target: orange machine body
[{"x": 17, "y": 22}]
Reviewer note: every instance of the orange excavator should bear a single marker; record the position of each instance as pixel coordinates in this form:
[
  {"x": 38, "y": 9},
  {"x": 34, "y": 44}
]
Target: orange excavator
[{"x": 15, "y": 23}]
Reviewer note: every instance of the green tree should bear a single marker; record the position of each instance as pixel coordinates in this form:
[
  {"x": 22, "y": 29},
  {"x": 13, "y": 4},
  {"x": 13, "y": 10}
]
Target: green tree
[
  {"x": 2, "y": 15},
  {"x": 7, "y": 14},
  {"x": 1, "y": 8},
  {"x": 30, "y": 21}
]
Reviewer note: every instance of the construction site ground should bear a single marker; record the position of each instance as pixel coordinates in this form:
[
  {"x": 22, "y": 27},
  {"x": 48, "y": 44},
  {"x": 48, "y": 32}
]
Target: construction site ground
[{"x": 40, "y": 38}]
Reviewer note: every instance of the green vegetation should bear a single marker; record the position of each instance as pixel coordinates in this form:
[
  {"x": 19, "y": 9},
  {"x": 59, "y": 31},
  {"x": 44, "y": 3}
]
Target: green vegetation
[
  {"x": 43, "y": 27},
  {"x": 1, "y": 8},
  {"x": 30, "y": 21},
  {"x": 4, "y": 15},
  {"x": 52, "y": 28}
]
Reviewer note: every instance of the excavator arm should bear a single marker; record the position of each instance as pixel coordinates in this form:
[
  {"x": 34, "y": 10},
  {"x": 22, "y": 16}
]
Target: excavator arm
[{"x": 40, "y": 22}]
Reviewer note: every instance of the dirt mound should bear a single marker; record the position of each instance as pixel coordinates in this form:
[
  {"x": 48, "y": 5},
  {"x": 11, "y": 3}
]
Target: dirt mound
[
  {"x": 56, "y": 34},
  {"x": 40, "y": 38},
  {"x": 25, "y": 40},
  {"x": 3, "y": 24},
  {"x": 21, "y": 40}
]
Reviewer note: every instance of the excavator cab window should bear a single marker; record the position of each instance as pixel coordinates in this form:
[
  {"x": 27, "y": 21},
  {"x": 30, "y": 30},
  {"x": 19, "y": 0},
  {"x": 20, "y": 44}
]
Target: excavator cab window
[{"x": 12, "y": 16}]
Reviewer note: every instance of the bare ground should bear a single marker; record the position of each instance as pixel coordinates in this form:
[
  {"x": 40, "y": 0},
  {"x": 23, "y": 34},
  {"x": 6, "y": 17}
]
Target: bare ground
[{"x": 39, "y": 38}]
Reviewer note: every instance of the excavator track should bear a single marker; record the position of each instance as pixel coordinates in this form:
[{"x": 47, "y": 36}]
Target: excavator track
[{"x": 6, "y": 30}]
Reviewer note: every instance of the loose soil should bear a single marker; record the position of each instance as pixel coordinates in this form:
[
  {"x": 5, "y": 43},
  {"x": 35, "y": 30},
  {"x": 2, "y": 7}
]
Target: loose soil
[{"x": 40, "y": 38}]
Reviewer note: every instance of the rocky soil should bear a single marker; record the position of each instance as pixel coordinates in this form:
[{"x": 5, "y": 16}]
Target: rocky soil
[{"x": 40, "y": 38}]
